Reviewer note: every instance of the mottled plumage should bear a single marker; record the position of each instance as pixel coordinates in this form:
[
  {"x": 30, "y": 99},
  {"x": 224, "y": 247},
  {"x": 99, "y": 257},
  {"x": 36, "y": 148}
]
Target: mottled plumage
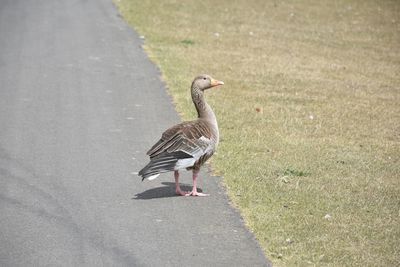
[{"x": 188, "y": 144}]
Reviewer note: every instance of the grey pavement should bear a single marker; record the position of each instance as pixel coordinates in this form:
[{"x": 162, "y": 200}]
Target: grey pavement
[{"x": 80, "y": 104}]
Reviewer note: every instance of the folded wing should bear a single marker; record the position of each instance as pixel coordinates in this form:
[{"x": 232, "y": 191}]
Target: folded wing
[{"x": 180, "y": 147}]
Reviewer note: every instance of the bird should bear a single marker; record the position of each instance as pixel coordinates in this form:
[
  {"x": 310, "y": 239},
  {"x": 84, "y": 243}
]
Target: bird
[{"x": 189, "y": 144}]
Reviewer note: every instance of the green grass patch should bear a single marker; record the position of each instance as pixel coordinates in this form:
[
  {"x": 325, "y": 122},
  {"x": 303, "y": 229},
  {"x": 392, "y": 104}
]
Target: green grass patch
[
  {"x": 294, "y": 172},
  {"x": 187, "y": 42},
  {"x": 309, "y": 116}
]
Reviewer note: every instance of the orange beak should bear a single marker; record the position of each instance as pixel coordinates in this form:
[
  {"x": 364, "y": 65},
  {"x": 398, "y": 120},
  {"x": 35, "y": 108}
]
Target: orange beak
[{"x": 216, "y": 83}]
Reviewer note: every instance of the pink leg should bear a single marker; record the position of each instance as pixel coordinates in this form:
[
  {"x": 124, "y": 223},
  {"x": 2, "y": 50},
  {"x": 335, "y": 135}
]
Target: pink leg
[
  {"x": 178, "y": 190},
  {"x": 194, "y": 190}
]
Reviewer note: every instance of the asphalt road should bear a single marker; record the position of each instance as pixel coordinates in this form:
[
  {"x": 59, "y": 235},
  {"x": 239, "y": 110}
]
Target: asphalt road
[{"x": 80, "y": 103}]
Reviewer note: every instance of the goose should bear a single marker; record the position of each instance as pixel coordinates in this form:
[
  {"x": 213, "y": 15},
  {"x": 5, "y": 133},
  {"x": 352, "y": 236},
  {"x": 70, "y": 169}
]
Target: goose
[{"x": 187, "y": 145}]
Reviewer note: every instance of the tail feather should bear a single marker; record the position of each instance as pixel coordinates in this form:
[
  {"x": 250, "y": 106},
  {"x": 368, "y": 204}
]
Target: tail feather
[{"x": 163, "y": 163}]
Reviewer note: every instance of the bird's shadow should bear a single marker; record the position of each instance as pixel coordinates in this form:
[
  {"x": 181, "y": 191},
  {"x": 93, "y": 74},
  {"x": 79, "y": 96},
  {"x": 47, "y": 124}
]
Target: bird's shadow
[{"x": 168, "y": 190}]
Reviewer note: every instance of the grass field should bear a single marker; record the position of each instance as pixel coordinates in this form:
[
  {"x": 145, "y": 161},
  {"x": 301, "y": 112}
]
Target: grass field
[{"x": 309, "y": 116}]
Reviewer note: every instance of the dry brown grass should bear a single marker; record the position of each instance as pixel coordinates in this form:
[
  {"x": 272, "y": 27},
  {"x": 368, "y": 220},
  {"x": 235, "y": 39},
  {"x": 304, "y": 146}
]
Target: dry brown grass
[{"x": 309, "y": 116}]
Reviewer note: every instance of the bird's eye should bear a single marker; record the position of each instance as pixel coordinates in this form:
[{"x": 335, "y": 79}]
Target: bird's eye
[{"x": 204, "y": 78}]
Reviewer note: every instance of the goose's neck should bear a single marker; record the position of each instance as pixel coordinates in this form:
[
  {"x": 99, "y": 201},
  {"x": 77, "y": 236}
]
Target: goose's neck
[{"x": 204, "y": 110}]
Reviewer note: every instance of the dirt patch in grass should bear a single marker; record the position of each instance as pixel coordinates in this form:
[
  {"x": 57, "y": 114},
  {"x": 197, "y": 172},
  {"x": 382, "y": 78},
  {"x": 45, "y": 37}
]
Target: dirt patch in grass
[{"x": 309, "y": 116}]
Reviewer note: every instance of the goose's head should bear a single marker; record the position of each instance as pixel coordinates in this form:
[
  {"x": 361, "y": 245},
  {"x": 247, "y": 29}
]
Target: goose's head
[{"x": 204, "y": 82}]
